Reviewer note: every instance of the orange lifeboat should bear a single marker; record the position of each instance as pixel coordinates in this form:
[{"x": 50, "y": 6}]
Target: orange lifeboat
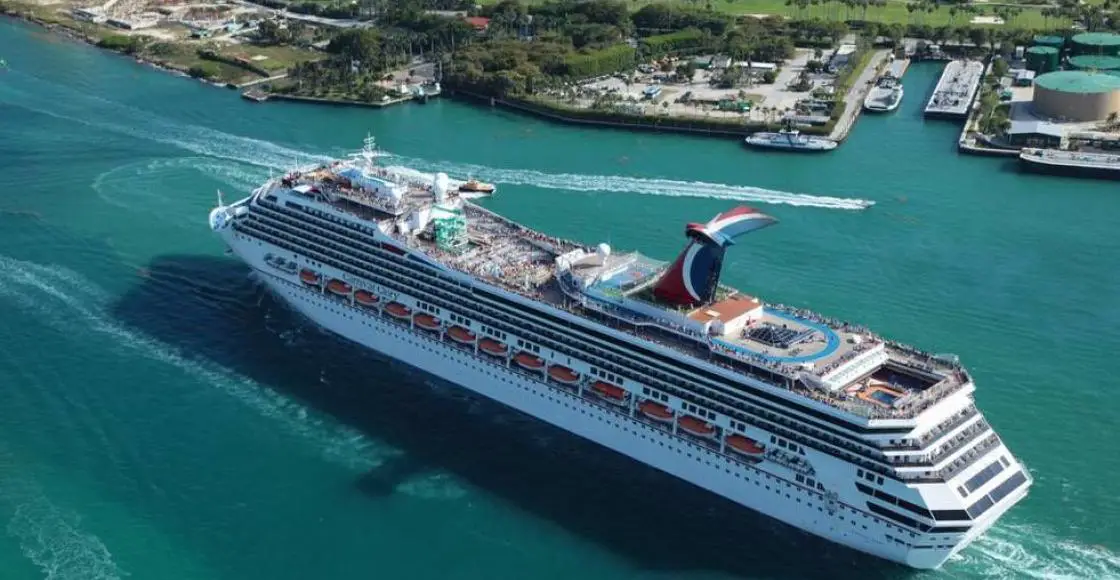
[
  {"x": 309, "y": 277},
  {"x": 339, "y": 287},
  {"x": 365, "y": 298},
  {"x": 609, "y": 392},
  {"x": 492, "y": 347},
  {"x": 656, "y": 411},
  {"x": 697, "y": 427},
  {"x": 744, "y": 445},
  {"x": 426, "y": 321},
  {"x": 398, "y": 310},
  {"x": 461, "y": 335},
  {"x": 563, "y": 374},
  {"x": 526, "y": 360}
]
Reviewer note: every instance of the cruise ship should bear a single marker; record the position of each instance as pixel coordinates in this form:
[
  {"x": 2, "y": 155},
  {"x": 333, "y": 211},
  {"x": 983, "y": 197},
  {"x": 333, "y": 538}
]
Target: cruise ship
[{"x": 819, "y": 423}]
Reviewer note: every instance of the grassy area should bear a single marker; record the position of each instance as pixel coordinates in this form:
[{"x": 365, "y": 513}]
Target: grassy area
[
  {"x": 894, "y": 12},
  {"x": 279, "y": 58}
]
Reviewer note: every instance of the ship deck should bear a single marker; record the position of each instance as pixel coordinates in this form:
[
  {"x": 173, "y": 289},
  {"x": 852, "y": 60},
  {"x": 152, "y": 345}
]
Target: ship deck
[{"x": 782, "y": 340}]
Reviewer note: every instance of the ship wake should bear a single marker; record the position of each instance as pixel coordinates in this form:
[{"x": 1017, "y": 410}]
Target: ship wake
[
  {"x": 626, "y": 184},
  {"x": 79, "y": 107}
]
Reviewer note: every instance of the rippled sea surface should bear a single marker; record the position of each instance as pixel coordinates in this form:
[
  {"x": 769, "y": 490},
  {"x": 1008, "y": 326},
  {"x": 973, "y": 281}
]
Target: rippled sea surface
[{"x": 162, "y": 418}]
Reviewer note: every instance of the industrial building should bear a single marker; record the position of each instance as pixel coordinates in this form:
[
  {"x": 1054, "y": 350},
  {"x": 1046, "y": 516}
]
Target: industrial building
[{"x": 1077, "y": 96}]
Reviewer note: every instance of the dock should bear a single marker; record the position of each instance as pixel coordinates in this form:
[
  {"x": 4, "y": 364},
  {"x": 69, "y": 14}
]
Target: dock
[
  {"x": 897, "y": 67},
  {"x": 955, "y": 90}
]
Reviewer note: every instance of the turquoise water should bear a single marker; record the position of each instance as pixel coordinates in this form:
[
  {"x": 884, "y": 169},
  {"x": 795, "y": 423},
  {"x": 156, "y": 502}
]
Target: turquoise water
[{"x": 163, "y": 419}]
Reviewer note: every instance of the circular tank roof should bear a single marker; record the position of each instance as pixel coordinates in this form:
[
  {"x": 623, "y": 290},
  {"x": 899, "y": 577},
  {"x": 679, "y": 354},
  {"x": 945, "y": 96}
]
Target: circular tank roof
[
  {"x": 1092, "y": 61},
  {"x": 1098, "y": 39},
  {"x": 1075, "y": 81},
  {"x": 1042, "y": 50}
]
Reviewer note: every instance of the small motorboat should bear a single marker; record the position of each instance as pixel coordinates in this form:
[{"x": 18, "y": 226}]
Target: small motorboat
[{"x": 476, "y": 186}]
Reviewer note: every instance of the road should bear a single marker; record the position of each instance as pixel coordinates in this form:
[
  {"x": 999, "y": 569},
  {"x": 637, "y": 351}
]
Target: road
[
  {"x": 337, "y": 23},
  {"x": 853, "y": 101}
]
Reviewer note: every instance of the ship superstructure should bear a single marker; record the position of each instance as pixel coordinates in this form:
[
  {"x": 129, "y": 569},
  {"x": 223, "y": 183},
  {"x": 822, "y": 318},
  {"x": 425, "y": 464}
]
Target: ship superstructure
[{"x": 819, "y": 423}]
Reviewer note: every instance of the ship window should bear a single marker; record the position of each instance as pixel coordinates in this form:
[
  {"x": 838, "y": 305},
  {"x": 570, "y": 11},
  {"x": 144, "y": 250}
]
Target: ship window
[
  {"x": 800, "y": 478},
  {"x": 879, "y": 480}
]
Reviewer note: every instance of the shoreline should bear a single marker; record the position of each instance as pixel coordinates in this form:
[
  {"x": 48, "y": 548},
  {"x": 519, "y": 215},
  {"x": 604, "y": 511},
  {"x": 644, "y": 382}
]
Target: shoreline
[
  {"x": 673, "y": 125},
  {"x": 81, "y": 37}
]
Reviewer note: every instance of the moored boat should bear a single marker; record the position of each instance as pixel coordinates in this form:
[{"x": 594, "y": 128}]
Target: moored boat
[
  {"x": 398, "y": 310},
  {"x": 338, "y": 287},
  {"x": 656, "y": 411},
  {"x": 563, "y": 374},
  {"x": 492, "y": 347},
  {"x": 745, "y": 445},
  {"x": 790, "y": 139},
  {"x": 309, "y": 277},
  {"x": 365, "y": 298},
  {"x": 609, "y": 392},
  {"x": 461, "y": 335},
  {"x": 425, "y": 321},
  {"x": 528, "y": 361},
  {"x": 698, "y": 427},
  {"x": 885, "y": 96}
]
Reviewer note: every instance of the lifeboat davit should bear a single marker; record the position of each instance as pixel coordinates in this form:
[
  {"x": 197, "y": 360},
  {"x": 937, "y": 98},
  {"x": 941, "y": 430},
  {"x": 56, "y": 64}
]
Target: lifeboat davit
[
  {"x": 697, "y": 427},
  {"x": 309, "y": 277},
  {"x": 398, "y": 310},
  {"x": 461, "y": 335},
  {"x": 526, "y": 360},
  {"x": 426, "y": 321},
  {"x": 744, "y": 445},
  {"x": 493, "y": 347},
  {"x": 609, "y": 392},
  {"x": 656, "y": 411},
  {"x": 563, "y": 374},
  {"x": 365, "y": 298},
  {"x": 338, "y": 287}
]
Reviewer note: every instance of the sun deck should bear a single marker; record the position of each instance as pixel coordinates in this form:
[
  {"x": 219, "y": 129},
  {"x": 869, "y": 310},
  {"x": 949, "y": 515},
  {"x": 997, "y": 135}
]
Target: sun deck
[{"x": 842, "y": 365}]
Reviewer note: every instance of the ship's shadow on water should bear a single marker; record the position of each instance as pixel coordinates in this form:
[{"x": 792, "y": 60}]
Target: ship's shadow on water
[{"x": 208, "y": 308}]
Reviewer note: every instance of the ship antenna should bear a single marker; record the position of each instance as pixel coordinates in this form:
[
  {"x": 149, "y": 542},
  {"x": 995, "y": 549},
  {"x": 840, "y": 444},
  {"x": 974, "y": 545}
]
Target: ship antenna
[{"x": 221, "y": 202}]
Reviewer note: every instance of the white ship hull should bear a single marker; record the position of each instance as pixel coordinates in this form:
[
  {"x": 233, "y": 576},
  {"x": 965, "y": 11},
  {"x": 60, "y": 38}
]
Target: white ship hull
[
  {"x": 766, "y": 488},
  {"x": 883, "y": 100}
]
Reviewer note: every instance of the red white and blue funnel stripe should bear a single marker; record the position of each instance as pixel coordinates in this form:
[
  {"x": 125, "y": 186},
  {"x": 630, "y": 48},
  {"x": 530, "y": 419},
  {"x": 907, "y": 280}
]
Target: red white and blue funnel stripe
[
  {"x": 694, "y": 276},
  {"x": 725, "y": 227}
]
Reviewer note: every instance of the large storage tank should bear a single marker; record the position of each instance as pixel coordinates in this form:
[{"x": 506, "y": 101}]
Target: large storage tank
[
  {"x": 1052, "y": 41},
  {"x": 1076, "y": 95},
  {"x": 1091, "y": 62},
  {"x": 1098, "y": 43},
  {"x": 1042, "y": 59}
]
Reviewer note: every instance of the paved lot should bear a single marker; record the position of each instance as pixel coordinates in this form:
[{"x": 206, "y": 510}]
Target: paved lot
[{"x": 770, "y": 100}]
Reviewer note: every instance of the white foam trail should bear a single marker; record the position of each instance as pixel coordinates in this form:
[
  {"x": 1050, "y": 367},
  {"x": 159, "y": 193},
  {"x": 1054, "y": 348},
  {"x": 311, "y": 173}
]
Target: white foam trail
[
  {"x": 52, "y": 538},
  {"x": 624, "y": 184},
  {"x": 63, "y": 298},
  {"x": 82, "y": 108},
  {"x": 1016, "y": 550}
]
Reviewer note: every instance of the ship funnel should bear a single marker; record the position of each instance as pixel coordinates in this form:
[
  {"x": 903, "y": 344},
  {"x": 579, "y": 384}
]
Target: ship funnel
[
  {"x": 440, "y": 184},
  {"x": 694, "y": 276}
]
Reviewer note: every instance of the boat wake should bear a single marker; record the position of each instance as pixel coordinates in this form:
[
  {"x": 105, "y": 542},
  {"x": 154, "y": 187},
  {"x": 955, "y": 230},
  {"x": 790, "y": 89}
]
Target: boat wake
[
  {"x": 62, "y": 102},
  {"x": 1019, "y": 550},
  {"x": 51, "y": 537},
  {"x": 625, "y": 184}
]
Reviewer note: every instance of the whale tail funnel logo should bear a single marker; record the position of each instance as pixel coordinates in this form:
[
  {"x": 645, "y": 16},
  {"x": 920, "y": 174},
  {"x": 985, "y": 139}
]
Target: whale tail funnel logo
[{"x": 694, "y": 276}]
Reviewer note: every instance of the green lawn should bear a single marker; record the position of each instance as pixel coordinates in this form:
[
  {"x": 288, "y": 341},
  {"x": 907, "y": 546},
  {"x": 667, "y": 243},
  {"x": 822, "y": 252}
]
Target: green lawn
[{"x": 893, "y": 12}]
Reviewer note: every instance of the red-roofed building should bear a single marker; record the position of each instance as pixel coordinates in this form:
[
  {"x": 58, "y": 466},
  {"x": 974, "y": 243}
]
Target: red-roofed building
[{"x": 479, "y": 23}]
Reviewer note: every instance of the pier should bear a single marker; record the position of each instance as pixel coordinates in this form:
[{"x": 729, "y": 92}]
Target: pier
[
  {"x": 897, "y": 67},
  {"x": 957, "y": 87}
]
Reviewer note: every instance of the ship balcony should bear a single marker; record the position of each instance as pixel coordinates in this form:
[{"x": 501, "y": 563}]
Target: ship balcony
[
  {"x": 945, "y": 470},
  {"x": 937, "y": 432},
  {"x": 961, "y": 439}
]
